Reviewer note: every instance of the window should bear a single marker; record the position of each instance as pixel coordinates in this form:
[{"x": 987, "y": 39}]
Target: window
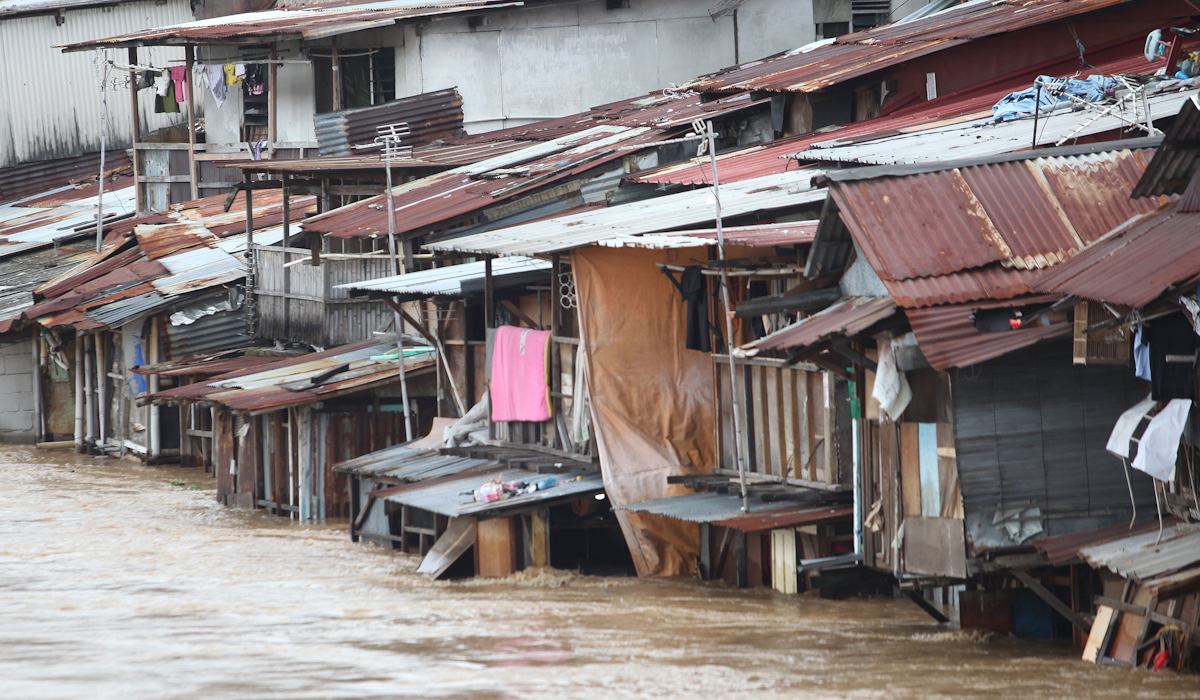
[{"x": 367, "y": 77}]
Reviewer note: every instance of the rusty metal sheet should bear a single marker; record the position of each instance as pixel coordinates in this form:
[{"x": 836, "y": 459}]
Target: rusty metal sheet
[
  {"x": 429, "y": 157},
  {"x": 948, "y": 338},
  {"x": 1065, "y": 548},
  {"x": 726, "y": 509},
  {"x": 209, "y": 365},
  {"x": 430, "y": 116},
  {"x": 1177, "y": 160},
  {"x": 30, "y": 179},
  {"x": 990, "y": 282},
  {"x": 847, "y": 317},
  {"x": 158, "y": 241},
  {"x": 822, "y": 64},
  {"x": 1135, "y": 263},
  {"x": 305, "y": 23}
]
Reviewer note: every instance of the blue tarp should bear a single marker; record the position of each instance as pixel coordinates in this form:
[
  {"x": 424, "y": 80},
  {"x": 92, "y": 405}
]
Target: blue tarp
[{"x": 1019, "y": 104}]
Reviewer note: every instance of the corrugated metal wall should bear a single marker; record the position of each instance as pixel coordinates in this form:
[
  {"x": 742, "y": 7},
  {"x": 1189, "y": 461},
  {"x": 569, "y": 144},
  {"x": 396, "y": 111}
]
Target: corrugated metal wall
[
  {"x": 1030, "y": 430},
  {"x": 51, "y": 102}
]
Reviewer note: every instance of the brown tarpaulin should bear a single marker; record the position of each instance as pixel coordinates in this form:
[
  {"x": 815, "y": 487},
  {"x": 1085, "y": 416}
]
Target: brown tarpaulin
[{"x": 652, "y": 399}]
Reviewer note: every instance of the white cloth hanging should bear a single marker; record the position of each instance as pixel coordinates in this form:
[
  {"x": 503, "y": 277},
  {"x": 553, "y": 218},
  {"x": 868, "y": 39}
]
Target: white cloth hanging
[
  {"x": 1127, "y": 424},
  {"x": 1159, "y": 445},
  {"x": 891, "y": 387}
]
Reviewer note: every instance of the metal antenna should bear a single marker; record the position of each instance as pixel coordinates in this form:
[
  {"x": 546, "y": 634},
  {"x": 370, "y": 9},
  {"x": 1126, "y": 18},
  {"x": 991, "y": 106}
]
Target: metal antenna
[{"x": 706, "y": 130}]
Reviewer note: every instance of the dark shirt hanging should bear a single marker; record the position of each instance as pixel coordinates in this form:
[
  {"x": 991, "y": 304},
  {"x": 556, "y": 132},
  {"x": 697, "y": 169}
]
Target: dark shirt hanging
[
  {"x": 1172, "y": 342},
  {"x": 757, "y": 290},
  {"x": 692, "y": 288}
]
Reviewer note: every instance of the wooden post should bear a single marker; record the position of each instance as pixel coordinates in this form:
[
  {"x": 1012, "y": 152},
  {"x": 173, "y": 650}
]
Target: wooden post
[
  {"x": 540, "y": 533},
  {"x": 136, "y": 132},
  {"x": 287, "y": 212},
  {"x": 89, "y": 401},
  {"x": 556, "y": 351},
  {"x": 489, "y": 294},
  {"x": 154, "y": 437},
  {"x": 190, "y": 60},
  {"x": 272, "y": 102},
  {"x": 38, "y": 432},
  {"x": 830, "y": 419},
  {"x": 101, "y": 390},
  {"x": 79, "y": 398},
  {"x": 337, "y": 77}
]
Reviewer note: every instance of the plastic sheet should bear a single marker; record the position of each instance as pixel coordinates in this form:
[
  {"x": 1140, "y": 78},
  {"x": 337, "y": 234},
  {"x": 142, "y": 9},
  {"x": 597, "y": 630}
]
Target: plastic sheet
[{"x": 652, "y": 399}]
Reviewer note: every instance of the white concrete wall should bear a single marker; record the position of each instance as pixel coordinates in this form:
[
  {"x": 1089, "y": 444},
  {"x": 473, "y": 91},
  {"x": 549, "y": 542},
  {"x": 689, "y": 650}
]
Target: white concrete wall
[
  {"x": 524, "y": 65},
  {"x": 16, "y": 391},
  {"x": 50, "y": 102}
]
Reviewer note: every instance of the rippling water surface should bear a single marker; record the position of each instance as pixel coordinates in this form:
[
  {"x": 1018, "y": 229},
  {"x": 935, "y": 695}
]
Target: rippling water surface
[{"x": 116, "y": 582}]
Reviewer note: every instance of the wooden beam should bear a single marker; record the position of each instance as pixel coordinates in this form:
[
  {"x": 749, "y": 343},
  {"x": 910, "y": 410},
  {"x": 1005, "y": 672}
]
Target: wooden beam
[
  {"x": 916, "y": 597},
  {"x": 189, "y": 60},
  {"x": 516, "y": 311},
  {"x": 1060, "y": 607}
]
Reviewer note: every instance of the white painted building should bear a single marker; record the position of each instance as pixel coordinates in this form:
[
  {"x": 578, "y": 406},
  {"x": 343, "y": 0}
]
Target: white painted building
[{"x": 518, "y": 65}]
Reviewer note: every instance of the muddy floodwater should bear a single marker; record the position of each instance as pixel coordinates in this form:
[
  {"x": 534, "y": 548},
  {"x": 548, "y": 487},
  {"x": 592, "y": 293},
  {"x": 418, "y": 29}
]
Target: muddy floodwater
[{"x": 124, "y": 581}]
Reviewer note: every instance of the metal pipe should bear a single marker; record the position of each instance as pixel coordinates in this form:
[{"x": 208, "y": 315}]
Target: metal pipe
[
  {"x": 79, "y": 394},
  {"x": 88, "y": 390},
  {"x": 858, "y": 499},
  {"x": 272, "y": 103},
  {"x": 103, "y": 144},
  {"x": 155, "y": 439},
  {"x": 189, "y": 61},
  {"x": 101, "y": 390},
  {"x": 710, "y": 134},
  {"x": 399, "y": 270},
  {"x": 38, "y": 434}
]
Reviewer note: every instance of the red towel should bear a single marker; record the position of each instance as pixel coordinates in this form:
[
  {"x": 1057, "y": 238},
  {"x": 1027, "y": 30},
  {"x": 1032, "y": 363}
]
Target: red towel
[
  {"x": 179, "y": 77},
  {"x": 520, "y": 390}
]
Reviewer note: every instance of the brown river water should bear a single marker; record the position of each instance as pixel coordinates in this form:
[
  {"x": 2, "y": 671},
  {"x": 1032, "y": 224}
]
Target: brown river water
[{"x": 117, "y": 583}]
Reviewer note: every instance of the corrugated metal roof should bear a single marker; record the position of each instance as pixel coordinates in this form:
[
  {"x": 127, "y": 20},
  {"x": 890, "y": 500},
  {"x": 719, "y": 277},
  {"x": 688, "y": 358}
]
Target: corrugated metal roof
[
  {"x": 1177, "y": 160},
  {"x": 847, "y": 317},
  {"x": 430, "y": 116},
  {"x": 289, "y": 382},
  {"x": 400, "y": 464},
  {"x": 1134, "y": 264},
  {"x": 453, "y": 280},
  {"x": 1145, "y": 556},
  {"x": 977, "y": 139},
  {"x": 158, "y": 240},
  {"x": 1065, "y": 548},
  {"x": 636, "y": 218},
  {"x": 307, "y": 24},
  {"x": 120, "y": 312},
  {"x": 825, "y": 63},
  {"x": 948, "y": 338},
  {"x": 35, "y": 222},
  {"x": 967, "y": 230},
  {"x": 433, "y": 157},
  {"x": 207, "y": 365},
  {"x": 726, "y": 509},
  {"x": 211, "y": 333},
  {"x": 454, "y": 497},
  {"x": 438, "y": 199},
  {"x": 29, "y": 179},
  {"x": 757, "y": 236}
]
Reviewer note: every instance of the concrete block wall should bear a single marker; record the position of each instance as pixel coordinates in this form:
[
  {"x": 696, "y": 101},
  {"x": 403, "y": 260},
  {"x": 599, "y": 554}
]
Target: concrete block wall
[{"x": 16, "y": 391}]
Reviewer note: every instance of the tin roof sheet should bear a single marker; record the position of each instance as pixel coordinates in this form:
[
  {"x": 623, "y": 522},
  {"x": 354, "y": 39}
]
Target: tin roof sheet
[
  {"x": 36, "y": 222},
  {"x": 1135, "y": 263},
  {"x": 756, "y": 236},
  {"x": 617, "y": 223},
  {"x": 847, "y": 317},
  {"x": 1145, "y": 556},
  {"x": 438, "y": 199},
  {"x": 829, "y": 62},
  {"x": 289, "y": 382},
  {"x": 1177, "y": 160},
  {"x": 967, "y": 230},
  {"x": 301, "y": 23},
  {"x": 948, "y": 338},
  {"x": 430, "y": 116},
  {"x": 433, "y": 157},
  {"x": 206, "y": 365},
  {"x": 1065, "y": 548},
  {"x": 453, "y": 280},
  {"x": 454, "y": 497},
  {"x": 726, "y": 509}
]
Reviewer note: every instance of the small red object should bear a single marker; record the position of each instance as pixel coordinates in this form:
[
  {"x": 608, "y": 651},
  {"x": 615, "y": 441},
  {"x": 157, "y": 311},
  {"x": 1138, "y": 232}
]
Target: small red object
[
  {"x": 1015, "y": 323},
  {"x": 1161, "y": 659}
]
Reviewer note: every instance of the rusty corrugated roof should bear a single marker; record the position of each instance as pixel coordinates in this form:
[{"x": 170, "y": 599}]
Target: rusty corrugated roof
[
  {"x": 1177, "y": 160},
  {"x": 301, "y": 23},
  {"x": 1136, "y": 263},
  {"x": 290, "y": 382},
  {"x": 948, "y": 337},
  {"x": 1065, "y": 548},
  {"x": 845, "y": 318},
  {"x": 430, "y": 116},
  {"x": 823, "y": 64},
  {"x": 432, "y": 157}
]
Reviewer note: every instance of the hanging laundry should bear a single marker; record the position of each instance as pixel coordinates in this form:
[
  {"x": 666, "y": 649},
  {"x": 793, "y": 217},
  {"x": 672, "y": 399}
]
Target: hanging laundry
[
  {"x": 1159, "y": 445},
  {"x": 1141, "y": 356},
  {"x": 144, "y": 80},
  {"x": 1173, "y": 343},
  {"x": 231, "y": 76},
  {"x": 581, "y": 418},
  {"x": 162, "y": 83},
  {"x": 520, "y": 386},
  {"x": 214, "y": 78},
  {"x": 693, "y": 288},
  {"x": 179, "y": 77},
  {"x": 164, "y": 103},
  {"x": 255, "y": 79},
  {"x": 891, "y": 386},
  {"x": 1126, "y": 427}
]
